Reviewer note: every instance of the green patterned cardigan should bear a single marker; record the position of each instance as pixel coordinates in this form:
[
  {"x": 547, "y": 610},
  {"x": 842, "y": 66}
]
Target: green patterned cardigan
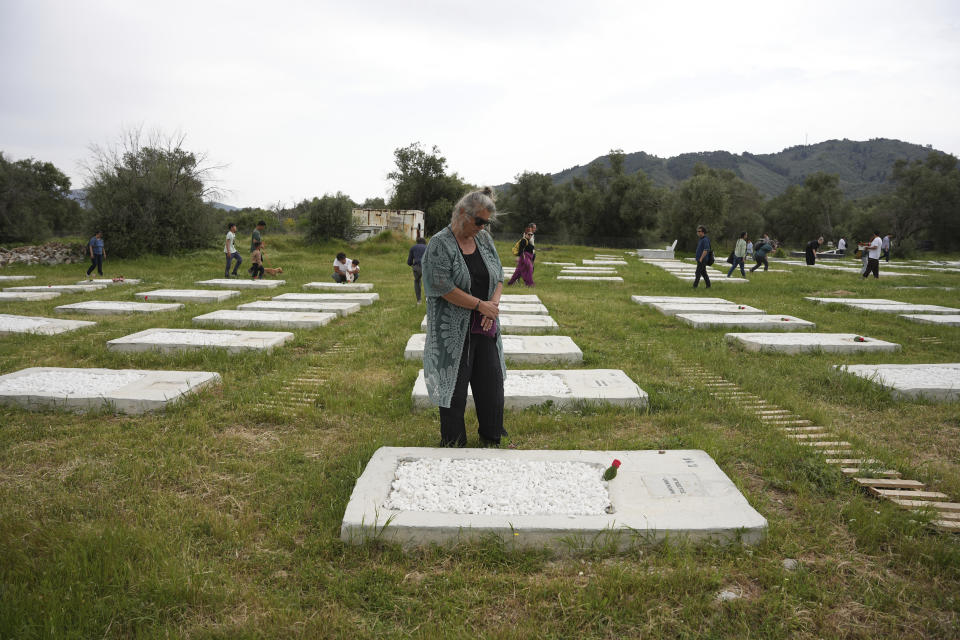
[{"x": 447, "y": 324}]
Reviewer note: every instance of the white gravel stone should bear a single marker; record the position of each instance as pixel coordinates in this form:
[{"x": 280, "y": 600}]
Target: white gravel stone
[
  {"x": 77, "y": 382},
  {"x": 499, "y": 487}
]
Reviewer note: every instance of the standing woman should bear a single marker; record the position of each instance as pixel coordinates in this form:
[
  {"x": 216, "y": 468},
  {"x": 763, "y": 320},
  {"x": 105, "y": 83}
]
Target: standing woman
[{"x": 463, "y": 280}]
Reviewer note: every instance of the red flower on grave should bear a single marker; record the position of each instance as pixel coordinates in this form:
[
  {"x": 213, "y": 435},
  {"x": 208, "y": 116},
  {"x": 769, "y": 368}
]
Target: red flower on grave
[
  {"x": 859, "y": 339},
  {"x": 616, "y": 463},
  {"x": 785, "y": 319},
  {"x": 611, "y": 471},
  {"x": 741, "y": 307}
]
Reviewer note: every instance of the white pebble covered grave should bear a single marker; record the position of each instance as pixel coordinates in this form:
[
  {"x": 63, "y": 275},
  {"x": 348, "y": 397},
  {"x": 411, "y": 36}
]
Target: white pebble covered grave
[
  {"x": 499, "y": 487},
  {"x": 363, "y": 299},
  {"x": 793, "y": 343},
  {"x": 186, "y": 295},
  {"x": 520, "y": 349},
  {"x": 188, "y": 339},
  {"x": 939, "y": 382},
  {"x": 27, "y": 296},
  {"x": 241, "y": 283},
  {"x": 116, "y": 307},
  {"x": 39, "y": 325},
  {"x": 345, "y": 286}
]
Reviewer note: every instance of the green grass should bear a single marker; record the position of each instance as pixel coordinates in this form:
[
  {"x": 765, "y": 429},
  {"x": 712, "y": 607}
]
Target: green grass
[{"x": 220, "y": 517}]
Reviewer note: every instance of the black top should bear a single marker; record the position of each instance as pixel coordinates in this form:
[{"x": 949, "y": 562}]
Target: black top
[
  {"x": 813, "y": 245},
  {"x": 479, "y": 276},
  {"x": 526, "y": 245}
]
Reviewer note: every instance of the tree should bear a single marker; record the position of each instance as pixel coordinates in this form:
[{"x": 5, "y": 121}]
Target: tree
[
  {"x": 806, "y": 211},
  {"x": 148, "y": 196},
  {"x": 928, "y": 194},
  {"x": 329, "y": 217},
  {"x": 530, "y": 199},
  {"x": 420, "y": 182},
  {"x": 374, "y": 203},
  {"x": 35, "y": 202}
]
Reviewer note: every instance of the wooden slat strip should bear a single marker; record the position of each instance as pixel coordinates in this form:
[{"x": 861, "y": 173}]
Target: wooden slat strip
[
  {"x": 910, "y": 495},
  {"x": 888, "y": 483}
]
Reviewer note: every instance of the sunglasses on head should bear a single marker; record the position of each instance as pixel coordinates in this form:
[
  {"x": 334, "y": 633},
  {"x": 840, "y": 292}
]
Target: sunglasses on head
[{"x": 477, "y": 220}]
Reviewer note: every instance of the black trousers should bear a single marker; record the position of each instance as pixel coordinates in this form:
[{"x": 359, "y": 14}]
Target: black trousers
[
  {"x": 480, "y": 368},
  {"x": 873, "y": 266},
  {"x": 701, "y": 273},
  {"x": 96, "y": 262},
  {"x": 417, "y": 275},
  {"x": 761, "y": 260}
]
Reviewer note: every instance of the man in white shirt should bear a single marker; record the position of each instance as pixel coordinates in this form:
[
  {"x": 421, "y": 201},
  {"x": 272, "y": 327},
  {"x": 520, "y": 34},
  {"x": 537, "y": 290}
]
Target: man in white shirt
[
  {"x": 341, "y": 267},
  {"x": 873, "y": 256},
  {"x": 841, "y": 246},
  {"x": 230, "y": 249}
]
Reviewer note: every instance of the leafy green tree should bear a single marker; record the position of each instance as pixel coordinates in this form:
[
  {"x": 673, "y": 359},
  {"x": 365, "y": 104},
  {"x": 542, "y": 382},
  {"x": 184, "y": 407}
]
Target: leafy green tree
[
  {"x": 329, "y": 217},
  {"x": 804, "y": 212},
  {"x": 529, "y": 199},
  {"x": 34, "y": 202},
  {"x": 374, "y": 203},
  {"x": 928, "y": 204},
  {"x": 148, "y": 197},
  {"x": 420, "y": 181}
]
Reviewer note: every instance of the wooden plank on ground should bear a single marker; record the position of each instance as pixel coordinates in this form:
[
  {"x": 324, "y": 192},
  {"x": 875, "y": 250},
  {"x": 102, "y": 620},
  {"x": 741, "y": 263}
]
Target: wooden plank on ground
[
  {"x": 888, "y": 483},
  {"x": 922, "y": 504},
  {"x": 910, "y": 495},
  {"x": 855, "y": 471},
  {"x": 947, "y": 525},
  {"x": 851, "y": 461}
]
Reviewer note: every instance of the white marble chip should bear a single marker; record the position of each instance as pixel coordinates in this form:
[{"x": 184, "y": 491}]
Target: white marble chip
[{"x": 498, "y": 487}]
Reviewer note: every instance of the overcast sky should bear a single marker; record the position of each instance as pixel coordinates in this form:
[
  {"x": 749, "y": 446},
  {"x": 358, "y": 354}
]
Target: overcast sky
[{"x": 298, "y": 99}]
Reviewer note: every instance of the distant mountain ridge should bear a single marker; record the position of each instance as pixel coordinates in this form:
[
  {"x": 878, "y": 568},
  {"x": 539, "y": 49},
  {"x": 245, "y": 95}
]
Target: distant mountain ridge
[{"x": 863, "y": 167}]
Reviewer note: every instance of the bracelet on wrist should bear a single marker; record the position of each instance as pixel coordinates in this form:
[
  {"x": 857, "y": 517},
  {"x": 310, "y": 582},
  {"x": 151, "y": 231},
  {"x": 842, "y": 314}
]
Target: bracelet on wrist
[{"x": 477, "y": 306}]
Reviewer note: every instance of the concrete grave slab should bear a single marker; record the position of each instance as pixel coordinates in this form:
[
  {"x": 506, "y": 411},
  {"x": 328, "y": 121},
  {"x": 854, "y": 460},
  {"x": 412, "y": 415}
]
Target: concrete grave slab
[
  {"x": 598, "y": 262},
  {"x": 673, "y": 308},
  {"x": 36, "y": 324},
  {"x": 271, "y": 319},
  {"x": 519, "y": 349},
  {"x": 765, "y": 322},
  {"x": 241, "y": 283},
  {"x": 592, "y": 278},
  {"x": 112, "y": 307},
  {"x": 60, "y": 288},
  {"x": 939, "y": 382},
  {"x": 648, "y": 300},
  {"x": 187, "y": 295},
  {"x": 27, "y": 296},
  {"x": 110, "y": 282},
  {"x": 849, "y": 300},
  {"x": 794, "y": 343},
  {"x": 932, "y": 318},
  {"x": 903, "y": 307},
  {"x": 123, "y": 390},
  {"x": 715, "y": 278},
  {"x": 678, "y": 494},
  {"x": 15, "y": 278},
  {"x": 346, "y": 286},
  {"x": 340, "y": 308},
  {"x": 576, "y": 272},
  {"x": 519, "y": 298},
  {"x": 560, "y": 264},
  {"x": 523, "y": 308},
  {"x": 519, "y": 324},
  {"x": 193, "y": 339},
  {"x": 562, "y": 387},
  {"x": 363, "y": 299}
]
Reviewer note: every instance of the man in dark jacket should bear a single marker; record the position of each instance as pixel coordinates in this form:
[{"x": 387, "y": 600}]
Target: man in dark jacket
[
  {"x": 414, "y": 259},
  {"x": 760, "y": 254},
  {"x": 703, "y": 251}
]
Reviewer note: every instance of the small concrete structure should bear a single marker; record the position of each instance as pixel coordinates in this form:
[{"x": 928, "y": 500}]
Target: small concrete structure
[
  {"x": 271, "y": 319},
  {"x": 60, "y": 288},
  {"x": 363, "y": 299},
  {"x": 187, "y": 295},
  {"x": 27, "y": 296},
  {"x": 518, "y": 349},
  {"x": 15, "y": 278},
  {"x": 346, "y": 286},
  {"x": 192, "y": 339},
  {"x": 39, "y": 325},
  {"x": 673, "y": 308},
  {"x": 341, "y": 308},
  {"x": 764, "y": 322},
  {"x": 519, "y": 298},
  {"x": 519, "y": 324},
  {"x": 592, "y": 278},
  {"x": 114, "y": 307},
  {"x": 649, "y": 300},
  {"x": 562, "y": 387},
  {"x": 523, "y": 308},
  {"x": 110, "y": 281},
  {"x": 794, "y": 343},
  {"x": 940, "y": 382},
  {"x": 658, "y": 254},
  {"x": 241, "y": 283},
  {"x": 622, "y": 263},
  {"x": 657, "y": 495},
  {"x": 122, "y": 390},
  {"x": 932, "y": 318}
]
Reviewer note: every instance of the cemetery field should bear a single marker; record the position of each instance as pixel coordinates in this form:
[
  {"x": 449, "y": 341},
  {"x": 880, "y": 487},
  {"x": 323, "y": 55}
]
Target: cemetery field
[{"x": 220, "y": 516}]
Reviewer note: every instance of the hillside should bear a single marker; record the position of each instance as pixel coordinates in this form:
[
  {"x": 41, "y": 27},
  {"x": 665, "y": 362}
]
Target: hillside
[{"x": 863, "y": 167}]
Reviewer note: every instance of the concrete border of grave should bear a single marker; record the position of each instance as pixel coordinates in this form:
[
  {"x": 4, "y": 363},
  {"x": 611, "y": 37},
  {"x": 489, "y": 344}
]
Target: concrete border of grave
[
  {"x": 60, "y": 288},
  {"x": 944, "y": 320},
  {"x": 516, "y": 349},
  {"x": 592, "y": 278},
  {"x": 520, "y": 298},
  {"x": 187, "y": 295},
  {"x": 346, "y": 286},
  {"x": 794, "y": 343},
  {"x": 937, "y": 387},
  {"x": 241, "y": 283},
  {"x": 110, "y": 282},
  {"x": 271, "y": 319},
  {"x": 242, "y": 341},
  {"x": 656, "y": 496},
  {"x": 27, "y": 296},
  {"x": 762, "y": 322},
  {"x": 154, "y": 390},
  {"x": 38, "y": 325},
  {"x": 117, "y": 307},
  {"x": 572, "y": 387},
  {"x": 363, "y": 299},
  {"x": 343, "y": 308},
  {"x": 513, "y": 324},
  {"x": 673, "y": 308},
  {"x": 16, "y": 278},
  {"x": 650, "y": 300}
]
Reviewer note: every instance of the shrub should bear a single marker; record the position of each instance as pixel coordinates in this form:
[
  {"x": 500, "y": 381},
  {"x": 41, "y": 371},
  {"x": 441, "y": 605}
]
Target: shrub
[{"x": 329, "y": 217}]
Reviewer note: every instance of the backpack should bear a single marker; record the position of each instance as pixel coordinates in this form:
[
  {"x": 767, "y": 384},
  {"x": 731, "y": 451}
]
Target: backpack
[{"x": 516, "y": 247}]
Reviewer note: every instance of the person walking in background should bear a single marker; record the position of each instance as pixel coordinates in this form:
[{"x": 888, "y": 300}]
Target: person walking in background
[
  {"x": 463, "y": 280},
  {"x": 703, "y": 254},
  {"x": 760, "y": 254},
  {"x": 873, "y": 256},
  {"x": 812, "y": 247},
  {"x": 230, "y": 249},
  {"x": 842, "y": 246},
  {"x": 524, "y": 252},
  {"x": 257, "y": 236},
  {"x": 415, "y": 261},
  {"x": 97, "y": 253},
  {"x": 256, "y": 261},
  {"x": 739, "y": 255},
  {"x": 886, "y": 245},
  {"x": 533, "y": 232},
  {"x": 749, "y": 253}
]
